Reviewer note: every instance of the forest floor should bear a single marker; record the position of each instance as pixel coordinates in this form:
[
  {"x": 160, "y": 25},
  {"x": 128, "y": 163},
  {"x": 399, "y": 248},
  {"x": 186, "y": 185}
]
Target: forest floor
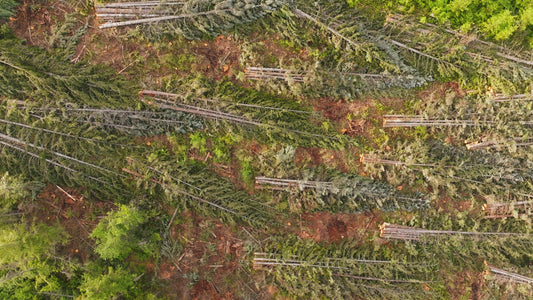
[{"x": 211, "y": 266}]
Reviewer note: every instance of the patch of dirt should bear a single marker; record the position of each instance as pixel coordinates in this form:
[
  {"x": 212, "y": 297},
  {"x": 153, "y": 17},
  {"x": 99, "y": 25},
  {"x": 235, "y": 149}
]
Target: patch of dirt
[
  {"x": 336, "y": 229},
  {"x": 345, "y": 160},
  {"x": 308, "y": 156},
  {"x": 465, "y": 284},
  {"x": 448, "y": 204},
  {"x": 77, "y": 216},
  {"x": 324, "y": 226},
  {"x": 222, "y": 57},
  {"x": 34, "y": 20},
  {"x": 477, "y": 286},
  {"x": 156, "y": 141},
  {"x": 273, "y": 292},
  {"x": 204, "y": 290},
  {"x": 273, "y": 47},
  {"x": 345, "y": 115},
  {"x": 209, "y": 267},
  {"x": 113, "y": 48},
  {"x": 441, "y": 90},
  {"x": 335, "y": 110}
]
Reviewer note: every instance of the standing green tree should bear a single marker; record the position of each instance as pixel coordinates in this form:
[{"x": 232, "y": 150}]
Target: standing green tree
[
  {"x": 120, "y": 233},
  {"x": 113, "y": 284},
  {"x": 30, "y": 263}
]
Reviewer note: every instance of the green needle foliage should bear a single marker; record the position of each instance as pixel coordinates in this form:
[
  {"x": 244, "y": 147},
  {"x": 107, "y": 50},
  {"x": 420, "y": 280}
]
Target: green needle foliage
[
  {"x": 347, "y": 270},
  {"x": 192, "y": 185},
  {"x": 212, "y": 17},
  {"x": 505, "y": 122},
  {"x": 119, "y": 234},
  {"x": 32, "y": 73},
  {"x": 263, "y": 117},
  {"x": 115, "y": 283},
  {"x": 455, "y": 169},
  {"x": 63, "y": 152},
  {"x": 14, "y": 189},
  {"x": 471, "y": 252},
  {"x": 349, "y": 193},
  {"x": 29, "y": 261},
  {"x": 127, "y": 122},
  {"x": 7, "y": 8},
  {"x": 401, "y": 45}
]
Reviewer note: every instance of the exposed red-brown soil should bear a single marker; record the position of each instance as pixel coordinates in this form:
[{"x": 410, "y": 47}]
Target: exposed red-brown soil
[
  {"x": 324, "y": 226},
  {"x": 463, "y": 284},
  {"x": 440, "y": 90},
  {"x": 204, "y": 290},
  {"x": 340, "y": 112},
  {"x": 449, "y": 204},
  {"x": 77, "y": 216},
  {"x": 343, "y": 160},
  {"x": 215, "y": 58},
  {"x": 477, "y": 282},
  {"x": 34, "y": 21},
  {"x": 211, "y": 263},
  {"x": 222, "y": 57}
]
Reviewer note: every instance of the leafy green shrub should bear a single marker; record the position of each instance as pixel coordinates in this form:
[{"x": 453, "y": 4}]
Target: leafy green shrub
[
  {"x": 181, "y": 62},
  {"x": 12, "y": 189},
  {"x": 247, "y": 173},
  {"x": 222, "y": 145},
  {"x": 497, "y": 19},
  {"x": 119, "y": 234},
  {"x": 116, "y": 283},
  {"x": 29, "y": 262},
  {"x": 198, "y": 142}
]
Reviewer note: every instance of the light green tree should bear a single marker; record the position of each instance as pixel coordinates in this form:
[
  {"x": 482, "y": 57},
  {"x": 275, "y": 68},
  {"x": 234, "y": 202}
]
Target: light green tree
[
  {"x": 12, "y": 190},
  {"x": 115, "y": 283},
  {"x": 28, "y": 260},
  {"x": 502, "y": 25},
  {"x": 118, "y": 234}
]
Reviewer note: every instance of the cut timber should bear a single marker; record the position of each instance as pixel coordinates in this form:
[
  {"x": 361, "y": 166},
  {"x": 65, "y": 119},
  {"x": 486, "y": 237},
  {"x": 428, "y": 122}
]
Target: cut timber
[
  {"x": 520, "y": 142},
  {"x": 372, "y": 159},
  {"x": 417, "y": 120},
  {"x": 258, "y": 73},
  {"x": 269, "y": 260},
  {"x": 508, "y": 98},
  {"x": 176, "y": 102},
  {"x": 159, "y": 19},
  {"x": 509, "y": 209},
  {"x": 291, "y": 183},
  {"x": 137, "y": 4},
  {"x": 509, "y": 276},
  {"x": 16, "y": 141},
  {"x": 117, "y": 12},
  {"x": 392, "y": 231}
]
